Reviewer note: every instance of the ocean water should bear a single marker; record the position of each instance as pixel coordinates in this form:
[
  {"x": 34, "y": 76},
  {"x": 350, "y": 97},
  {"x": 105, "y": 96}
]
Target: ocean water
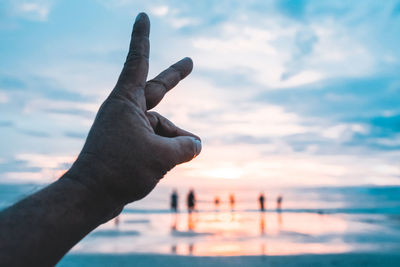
[{"x": 312, "y": 220}]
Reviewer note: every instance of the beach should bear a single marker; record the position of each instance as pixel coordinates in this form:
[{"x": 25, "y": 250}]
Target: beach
[{"x": 350, "y": 226}]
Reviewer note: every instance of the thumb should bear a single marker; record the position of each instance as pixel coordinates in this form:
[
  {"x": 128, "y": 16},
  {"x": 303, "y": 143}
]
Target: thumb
[{"x": 184, "y": 148}]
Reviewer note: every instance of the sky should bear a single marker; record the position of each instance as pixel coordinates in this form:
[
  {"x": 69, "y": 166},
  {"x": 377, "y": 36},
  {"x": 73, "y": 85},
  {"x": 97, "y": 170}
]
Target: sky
[{"x": 283, "y": 93}]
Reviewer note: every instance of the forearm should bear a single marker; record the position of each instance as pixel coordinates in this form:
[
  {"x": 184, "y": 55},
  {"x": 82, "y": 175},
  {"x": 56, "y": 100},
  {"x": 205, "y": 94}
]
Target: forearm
[
  {"x": 127, "y": 151},
  {"x": 40, "y": 229}
]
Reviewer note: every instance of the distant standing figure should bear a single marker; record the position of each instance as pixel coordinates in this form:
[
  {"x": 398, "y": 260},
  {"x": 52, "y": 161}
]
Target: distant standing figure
[
  {"x": 191, "y": 201},
  {"x": 261, "y": 200},
  {"x": 216, "y": 202},
  {"x": 232, "y": 201},
  {"x": 279, "y": 203},
  {"x": 174, "y": 201}
]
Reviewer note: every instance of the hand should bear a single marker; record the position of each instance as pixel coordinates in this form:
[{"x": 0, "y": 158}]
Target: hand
[{"x": 129, "y": 149}]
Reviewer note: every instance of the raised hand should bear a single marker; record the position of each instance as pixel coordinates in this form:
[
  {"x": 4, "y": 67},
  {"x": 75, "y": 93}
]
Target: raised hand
[{"x": 129, "y": 149}]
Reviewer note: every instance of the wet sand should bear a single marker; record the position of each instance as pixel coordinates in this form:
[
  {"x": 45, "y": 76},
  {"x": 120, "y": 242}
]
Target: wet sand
[{"x": 243, "y": 234}]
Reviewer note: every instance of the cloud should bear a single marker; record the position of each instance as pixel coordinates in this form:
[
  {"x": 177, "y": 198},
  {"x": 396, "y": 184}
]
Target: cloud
[
  {"x": 24, "y": 130},
  {"x": 37, "y": 168},
  {"x": 339, "y": 99},
  {"x": 160, "y": 11},
  {"x": 290, "y": 167},
  {"x": 80, "y": 112},
  {"x": 77, "y": 135},
  {"x": 350, "y": 112},
  {"x": 37, "y": 86},
  {"x": 3, "y": 97},
  {"x": 34, "y": 133},
  {"x": 15, "y": 165},
  {"x": 6, "y": 123},
  {"x": 284, "y": 56},
  {"x": 33, "y": 10},
  {"x": 9, "y": 82},
  {"x": 304, "y": 45},
  {"x": 284, "y": 91}
]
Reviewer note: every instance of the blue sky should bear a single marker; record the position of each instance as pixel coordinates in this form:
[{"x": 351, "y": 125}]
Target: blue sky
[{"x": 284, "y": 92}]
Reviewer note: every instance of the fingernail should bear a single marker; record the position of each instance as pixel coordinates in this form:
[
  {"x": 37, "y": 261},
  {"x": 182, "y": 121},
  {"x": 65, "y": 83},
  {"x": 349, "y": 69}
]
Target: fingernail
[
  {"x": 139, "y": 16},
  {"x": 188, "y": 58},
  {"x": 197, "y": 142}
]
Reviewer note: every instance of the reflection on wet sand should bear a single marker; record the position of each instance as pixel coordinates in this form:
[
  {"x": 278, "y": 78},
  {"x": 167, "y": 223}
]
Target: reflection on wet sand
[
  {"x": 249, "y": 233},
  {"x": 225, "y": 236},
  {"x": 190, "y": 249},
  {"x": 262, "y": 223},
  {"x": 175, "y": 219},
  {"x": 228, "y": 236},
  {"x": 263, "y": 249},
  {"x": 173, "y": 249},
  {"x": 280, "y": 219},
  {"x": 191, "y": 222}
]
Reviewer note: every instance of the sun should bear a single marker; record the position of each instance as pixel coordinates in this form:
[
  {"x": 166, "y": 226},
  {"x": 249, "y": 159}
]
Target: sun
[{"x": 224, "y": 173}]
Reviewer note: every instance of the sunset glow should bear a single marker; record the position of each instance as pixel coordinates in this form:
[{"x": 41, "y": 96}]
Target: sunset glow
[{"x": 278, "y": 102}]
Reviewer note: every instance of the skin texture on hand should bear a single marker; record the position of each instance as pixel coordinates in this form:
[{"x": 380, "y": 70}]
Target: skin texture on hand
[{"x": 129, "y": 149}]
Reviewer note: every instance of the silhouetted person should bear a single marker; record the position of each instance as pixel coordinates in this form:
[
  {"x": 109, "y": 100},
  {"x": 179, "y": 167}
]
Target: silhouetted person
[
  {"x": 279, "y": 203},
  {"x": 261, "y": 201},
  {"x": 191, "y": 201},
  {"x": 216, "y": 202},
  {"x": 232, "y": 201},
  {"x": 174, "y": 201}
]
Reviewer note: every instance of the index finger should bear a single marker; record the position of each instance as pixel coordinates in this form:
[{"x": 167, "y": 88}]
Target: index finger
[
  {"x": 136, "y": 67},
  {"x": 166, "y": 80}
]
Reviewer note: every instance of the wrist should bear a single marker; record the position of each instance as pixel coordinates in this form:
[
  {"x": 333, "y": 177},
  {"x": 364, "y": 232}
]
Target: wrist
[{"x": 88, "y": 178}]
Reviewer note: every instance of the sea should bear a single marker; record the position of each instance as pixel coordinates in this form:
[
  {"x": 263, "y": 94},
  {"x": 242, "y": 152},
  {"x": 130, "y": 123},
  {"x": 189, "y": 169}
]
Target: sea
[{"x": 311, "y": 220}]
